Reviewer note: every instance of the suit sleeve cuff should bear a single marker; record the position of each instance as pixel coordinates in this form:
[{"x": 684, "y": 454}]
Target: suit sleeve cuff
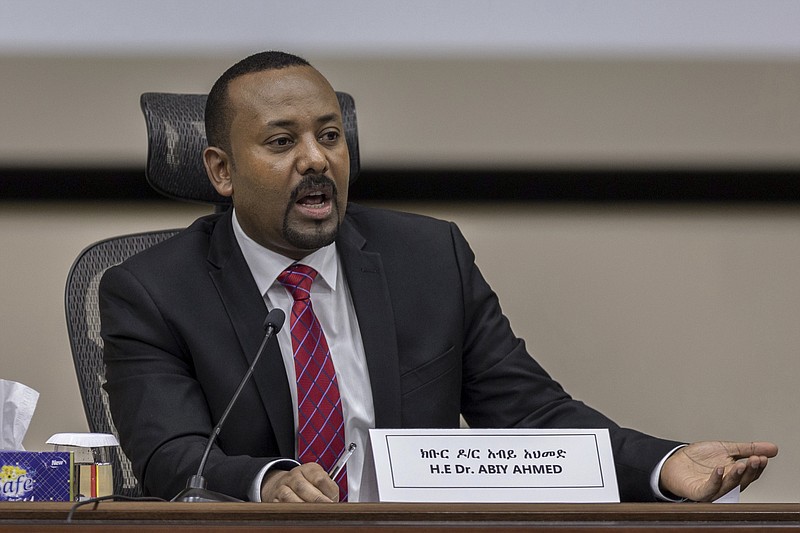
[{"x": 254, "y": 495}]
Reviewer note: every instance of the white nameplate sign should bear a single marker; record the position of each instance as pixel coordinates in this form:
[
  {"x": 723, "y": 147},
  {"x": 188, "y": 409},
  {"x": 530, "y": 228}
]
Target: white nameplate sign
[{"x": 494, "y": 465}]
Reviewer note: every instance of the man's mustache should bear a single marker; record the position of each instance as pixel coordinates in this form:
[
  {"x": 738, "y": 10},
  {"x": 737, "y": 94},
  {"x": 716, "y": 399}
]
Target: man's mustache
[{"x": 313, "y": 181}]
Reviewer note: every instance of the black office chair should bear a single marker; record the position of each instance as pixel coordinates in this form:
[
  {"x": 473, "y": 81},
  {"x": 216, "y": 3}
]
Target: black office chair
[
  {"x": 176, "y": 139},
  {"x": 83, "y": 326}
]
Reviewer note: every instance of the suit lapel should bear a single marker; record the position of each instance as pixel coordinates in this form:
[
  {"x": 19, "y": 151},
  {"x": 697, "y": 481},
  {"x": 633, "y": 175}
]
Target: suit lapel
[
  {"x": 247, "y": 311},
  {"x": 369, "y": 290}
]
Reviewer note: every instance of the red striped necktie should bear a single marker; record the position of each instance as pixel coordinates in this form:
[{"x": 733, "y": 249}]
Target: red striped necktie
[{"x": 320, "y": 423}]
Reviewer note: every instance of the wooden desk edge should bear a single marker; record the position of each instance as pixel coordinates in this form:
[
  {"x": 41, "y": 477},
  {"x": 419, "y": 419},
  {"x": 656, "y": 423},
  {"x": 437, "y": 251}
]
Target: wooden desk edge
[{"x": 432, "y": 513}]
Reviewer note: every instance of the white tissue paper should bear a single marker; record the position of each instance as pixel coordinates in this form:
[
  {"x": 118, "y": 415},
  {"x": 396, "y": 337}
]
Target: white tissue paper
[{"x": 19, "y": 403}]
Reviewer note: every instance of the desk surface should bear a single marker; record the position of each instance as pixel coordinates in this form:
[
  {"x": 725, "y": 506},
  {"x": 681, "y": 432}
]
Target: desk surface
[{"x": 155, "y": 516}]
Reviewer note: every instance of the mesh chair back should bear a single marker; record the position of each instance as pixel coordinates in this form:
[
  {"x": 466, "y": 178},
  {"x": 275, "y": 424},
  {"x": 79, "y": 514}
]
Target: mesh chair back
[
  {"x": 83, "y": 326},
  {"x": 176, "y": 138}
]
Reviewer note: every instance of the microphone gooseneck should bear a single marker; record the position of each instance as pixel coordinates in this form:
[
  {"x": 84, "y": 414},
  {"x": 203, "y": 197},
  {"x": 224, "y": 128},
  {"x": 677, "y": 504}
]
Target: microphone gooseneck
[{"x": 195, "y": 490}]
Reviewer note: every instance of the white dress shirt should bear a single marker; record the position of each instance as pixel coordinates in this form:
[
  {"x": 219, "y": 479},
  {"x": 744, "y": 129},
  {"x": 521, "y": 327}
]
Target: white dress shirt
[{"x": 331, "y": 301}]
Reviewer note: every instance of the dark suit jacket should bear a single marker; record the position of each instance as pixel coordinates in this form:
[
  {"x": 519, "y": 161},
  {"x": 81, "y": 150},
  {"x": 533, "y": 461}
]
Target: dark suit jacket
[{"x": 182, "y": 320}]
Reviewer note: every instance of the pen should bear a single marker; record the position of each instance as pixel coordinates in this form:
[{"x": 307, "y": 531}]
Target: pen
[{"x": 333, "y": 473}]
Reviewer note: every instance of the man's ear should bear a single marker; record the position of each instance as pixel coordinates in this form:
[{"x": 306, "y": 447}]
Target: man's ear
[{"x": 218, "y": 166}]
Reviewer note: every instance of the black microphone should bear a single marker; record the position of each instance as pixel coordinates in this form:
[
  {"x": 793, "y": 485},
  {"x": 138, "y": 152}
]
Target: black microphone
[{"x": 195, "y": 490}]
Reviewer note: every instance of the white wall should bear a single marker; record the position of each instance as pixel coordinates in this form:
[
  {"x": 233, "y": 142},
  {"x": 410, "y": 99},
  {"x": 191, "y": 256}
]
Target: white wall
[
  {"x": 420, "y": 28},
  {"x": 468, "y": 113}
]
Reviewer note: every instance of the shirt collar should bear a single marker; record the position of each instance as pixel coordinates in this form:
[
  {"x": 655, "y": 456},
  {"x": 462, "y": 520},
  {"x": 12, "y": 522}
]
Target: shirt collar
[{"x": 266, "y": 265}]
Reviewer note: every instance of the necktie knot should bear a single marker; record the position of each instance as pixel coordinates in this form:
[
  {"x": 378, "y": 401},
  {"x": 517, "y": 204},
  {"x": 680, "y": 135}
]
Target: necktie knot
[{"x": 297, "y": 279}]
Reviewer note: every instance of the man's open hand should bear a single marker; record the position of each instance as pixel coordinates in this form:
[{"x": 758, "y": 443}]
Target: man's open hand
[{"x": 704, "y": 471}]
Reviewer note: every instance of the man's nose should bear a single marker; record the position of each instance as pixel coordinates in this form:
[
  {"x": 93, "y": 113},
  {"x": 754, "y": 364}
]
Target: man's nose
[{"x": 311, "y": 158}]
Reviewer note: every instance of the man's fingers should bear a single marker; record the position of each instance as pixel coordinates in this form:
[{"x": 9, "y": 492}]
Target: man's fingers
[
  {"x": 714, "y": 485},
  {"x": 319, "y": 487},
  {"x": 741, "y": 474},
  {"x": 749, "y": 449},
  {"x": 304, "y": 483},
  {"x": 719, "y": 484},
  {"x": 284, "y": 494},
  {"x": 309, "y": 493},
  {"x": 755, "y": 466}
]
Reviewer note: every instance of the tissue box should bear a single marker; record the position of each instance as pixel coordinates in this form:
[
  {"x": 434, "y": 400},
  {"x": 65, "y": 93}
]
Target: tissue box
[{"x": 36, "y": 476}]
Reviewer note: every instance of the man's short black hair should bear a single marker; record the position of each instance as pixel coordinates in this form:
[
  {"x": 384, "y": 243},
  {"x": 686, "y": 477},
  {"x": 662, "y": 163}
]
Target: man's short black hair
[{"x": 218, "y": 114}]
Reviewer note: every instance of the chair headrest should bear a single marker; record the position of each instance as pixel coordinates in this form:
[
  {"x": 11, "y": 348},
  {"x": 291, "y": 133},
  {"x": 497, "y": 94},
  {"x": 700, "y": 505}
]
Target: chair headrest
[{"x": 176, "y": 138}]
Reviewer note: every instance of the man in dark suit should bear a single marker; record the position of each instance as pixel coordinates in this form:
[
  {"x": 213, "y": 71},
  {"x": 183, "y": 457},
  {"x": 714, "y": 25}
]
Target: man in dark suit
[{"x": 414, "y": 333}]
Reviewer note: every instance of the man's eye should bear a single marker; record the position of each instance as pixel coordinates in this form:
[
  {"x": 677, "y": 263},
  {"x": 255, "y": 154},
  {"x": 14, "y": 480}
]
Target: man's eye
[
  {"x": 280, "y": 141},
  {"x": 329, "y": 136}
]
